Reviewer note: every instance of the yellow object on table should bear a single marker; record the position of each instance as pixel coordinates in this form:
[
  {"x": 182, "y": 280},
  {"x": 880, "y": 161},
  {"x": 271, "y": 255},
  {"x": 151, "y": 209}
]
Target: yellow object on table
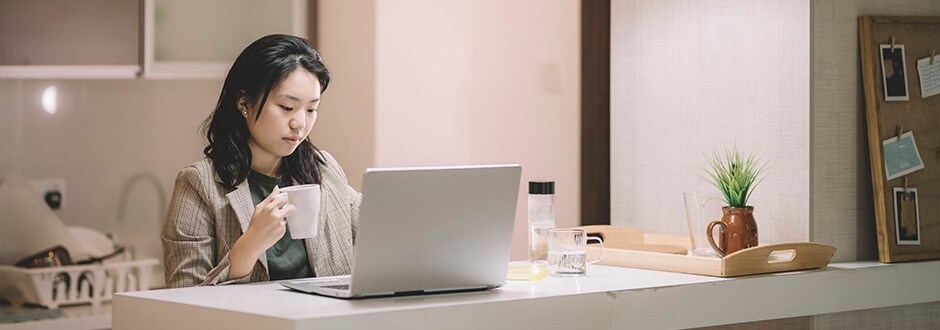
[{"x": 527, "y": 271}]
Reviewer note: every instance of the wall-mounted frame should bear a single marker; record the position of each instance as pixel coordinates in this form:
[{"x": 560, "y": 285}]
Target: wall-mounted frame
[{"x": 890, "y": 120}]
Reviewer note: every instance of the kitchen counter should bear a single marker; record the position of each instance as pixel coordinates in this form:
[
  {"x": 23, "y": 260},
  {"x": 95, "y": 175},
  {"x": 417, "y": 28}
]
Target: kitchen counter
[
  {"x": 609, "y": 297},
  {"x": 79, "y": 317}
]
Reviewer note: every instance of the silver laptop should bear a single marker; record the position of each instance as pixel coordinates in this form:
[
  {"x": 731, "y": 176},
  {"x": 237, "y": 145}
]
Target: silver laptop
[{"x": 428, "y": 230}]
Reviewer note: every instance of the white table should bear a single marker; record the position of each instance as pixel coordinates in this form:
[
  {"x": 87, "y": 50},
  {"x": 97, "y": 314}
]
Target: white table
[{"x": 609, "y": 297}]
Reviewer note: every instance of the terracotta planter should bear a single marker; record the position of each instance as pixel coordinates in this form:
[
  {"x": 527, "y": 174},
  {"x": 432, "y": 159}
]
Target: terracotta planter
[{"x": 738, "y": 230}]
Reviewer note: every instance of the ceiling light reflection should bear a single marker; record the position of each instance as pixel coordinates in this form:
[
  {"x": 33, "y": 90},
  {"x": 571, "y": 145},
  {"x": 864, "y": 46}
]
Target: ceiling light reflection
[{"x": 49, "y": 102}]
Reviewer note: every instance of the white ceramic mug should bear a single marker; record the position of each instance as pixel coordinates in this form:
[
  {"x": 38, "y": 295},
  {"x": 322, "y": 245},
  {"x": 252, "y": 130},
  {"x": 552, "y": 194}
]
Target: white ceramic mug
[{"x": 306, "y": 200}]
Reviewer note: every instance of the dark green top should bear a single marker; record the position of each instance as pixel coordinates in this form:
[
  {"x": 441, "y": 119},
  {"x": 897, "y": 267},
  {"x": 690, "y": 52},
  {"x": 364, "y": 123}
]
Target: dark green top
[{"x": 287, "y": 258}]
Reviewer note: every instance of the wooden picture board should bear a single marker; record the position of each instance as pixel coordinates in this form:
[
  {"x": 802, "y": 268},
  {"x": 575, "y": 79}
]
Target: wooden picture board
[{"x": 918, "y": 115}]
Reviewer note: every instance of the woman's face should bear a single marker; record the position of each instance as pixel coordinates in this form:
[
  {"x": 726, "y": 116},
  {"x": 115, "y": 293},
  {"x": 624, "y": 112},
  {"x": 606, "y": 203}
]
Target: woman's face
[{"x": 289, "y": 114}]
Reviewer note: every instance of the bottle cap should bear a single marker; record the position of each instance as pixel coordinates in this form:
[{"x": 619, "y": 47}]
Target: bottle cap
[{"x": 541, "y": 187}]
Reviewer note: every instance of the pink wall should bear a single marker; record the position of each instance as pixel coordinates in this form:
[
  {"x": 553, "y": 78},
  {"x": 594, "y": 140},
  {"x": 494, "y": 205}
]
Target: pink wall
[{"x": 458, "y": 82}]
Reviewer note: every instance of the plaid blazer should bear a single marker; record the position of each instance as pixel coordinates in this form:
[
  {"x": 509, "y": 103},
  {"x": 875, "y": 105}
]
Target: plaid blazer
[{"x": 204, "y": 219}]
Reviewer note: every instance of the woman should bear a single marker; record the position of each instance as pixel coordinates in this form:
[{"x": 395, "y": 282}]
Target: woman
[{"x": 225, "y": 223}]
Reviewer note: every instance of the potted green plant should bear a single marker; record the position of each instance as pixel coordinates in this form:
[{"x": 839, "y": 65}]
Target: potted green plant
[{"x": 736, "y": 175}]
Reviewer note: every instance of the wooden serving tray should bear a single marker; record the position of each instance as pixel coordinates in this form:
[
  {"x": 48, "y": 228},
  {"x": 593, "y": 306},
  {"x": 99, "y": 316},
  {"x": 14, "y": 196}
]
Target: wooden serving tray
[{"x": 766, "y": 258}]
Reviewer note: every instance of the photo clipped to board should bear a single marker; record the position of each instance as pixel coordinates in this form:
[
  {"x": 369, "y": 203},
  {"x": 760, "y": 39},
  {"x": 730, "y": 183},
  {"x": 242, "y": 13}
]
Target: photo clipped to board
[
  {"x": 906, "y": 216},
  {"x": 928, "y": 70},
  {"x": 894, "y": 72},
  {"x": 901, "y": 156}
]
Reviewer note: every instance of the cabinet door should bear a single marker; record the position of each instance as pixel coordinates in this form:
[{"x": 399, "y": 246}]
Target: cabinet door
[
  {"x": 69, "y": 39},
  {"x": 201, "y": 38}
]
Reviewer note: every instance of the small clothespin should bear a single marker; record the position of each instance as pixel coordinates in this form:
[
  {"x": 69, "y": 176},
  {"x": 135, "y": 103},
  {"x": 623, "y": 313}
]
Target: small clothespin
[
  {"x": 900, "y": 131},
  {"x": 892, "y": 44}
]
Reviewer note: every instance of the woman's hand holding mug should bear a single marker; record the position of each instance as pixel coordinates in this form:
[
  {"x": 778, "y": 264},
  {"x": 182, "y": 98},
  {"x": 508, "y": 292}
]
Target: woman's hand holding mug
[
  {"x": 267, "y": 223},
  {"x": 266, "y": 227}
]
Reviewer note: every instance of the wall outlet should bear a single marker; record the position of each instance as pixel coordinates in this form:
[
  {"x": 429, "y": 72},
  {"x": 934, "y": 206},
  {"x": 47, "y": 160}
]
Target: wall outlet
[{"x": 50, "y": 190}]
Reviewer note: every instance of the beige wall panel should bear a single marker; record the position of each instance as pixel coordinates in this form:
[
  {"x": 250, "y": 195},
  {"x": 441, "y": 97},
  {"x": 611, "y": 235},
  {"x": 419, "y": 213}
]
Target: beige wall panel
[{"x": 688, "y": 77}]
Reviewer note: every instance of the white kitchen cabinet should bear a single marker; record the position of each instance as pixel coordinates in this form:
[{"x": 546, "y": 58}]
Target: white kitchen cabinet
[
  {"x": 153, "y": 39},
  {"x": 69, "y": 39},
  {"x": 199, "y": 39}
]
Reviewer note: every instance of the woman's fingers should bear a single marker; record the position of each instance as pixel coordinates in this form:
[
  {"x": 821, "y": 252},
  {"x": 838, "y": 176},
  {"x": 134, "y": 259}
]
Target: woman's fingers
[
  {"x": 289, "y": 210},
  {"x": 276, "y": 203},
  {"x": 275, "y": 199},
  {"x": 274, "y": 192},
  {"x": 280, "y": 201},
  {"x": 285, "y": 212}
]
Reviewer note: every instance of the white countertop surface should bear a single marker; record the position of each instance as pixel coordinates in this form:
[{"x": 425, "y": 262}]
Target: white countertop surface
[{"x": 606, "y": 298}]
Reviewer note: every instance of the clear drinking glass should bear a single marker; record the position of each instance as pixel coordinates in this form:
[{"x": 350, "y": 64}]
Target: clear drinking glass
[
  {"x": 567, "y": 251},
  {"x": 700, "y": 209}
]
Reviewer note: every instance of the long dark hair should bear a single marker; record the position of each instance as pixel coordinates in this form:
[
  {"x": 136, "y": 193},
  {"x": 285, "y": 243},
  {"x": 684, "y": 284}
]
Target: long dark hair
[{"x": 259, "y": 67}]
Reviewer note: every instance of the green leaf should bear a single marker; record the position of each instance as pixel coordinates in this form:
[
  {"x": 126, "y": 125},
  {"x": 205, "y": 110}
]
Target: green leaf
[{"x": 734, "y": 174}]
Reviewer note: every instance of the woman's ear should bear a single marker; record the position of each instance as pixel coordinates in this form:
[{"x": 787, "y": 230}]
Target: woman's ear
[{"x": 242, "y": 104}]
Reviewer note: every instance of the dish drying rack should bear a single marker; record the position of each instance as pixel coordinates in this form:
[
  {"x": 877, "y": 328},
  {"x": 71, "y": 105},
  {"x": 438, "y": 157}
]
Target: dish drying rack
[{"x": 75, "y": 284}]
